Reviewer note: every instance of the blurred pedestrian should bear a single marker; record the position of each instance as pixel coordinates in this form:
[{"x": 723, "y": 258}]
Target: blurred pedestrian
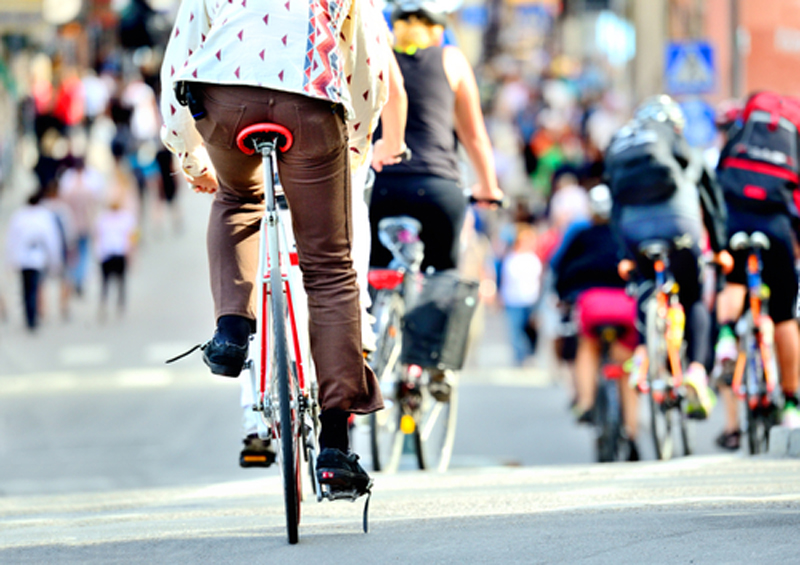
[
  {"x": 81, "y": 187},
  {"x": 67, "y": 240},
  {"x": 115, "y": 238},
  {"x": 32, "y": 246},
  {"x": 520, "y": 286}
]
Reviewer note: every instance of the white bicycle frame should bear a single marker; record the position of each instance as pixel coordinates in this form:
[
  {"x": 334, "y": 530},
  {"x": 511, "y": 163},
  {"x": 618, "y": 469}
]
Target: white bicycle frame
[{"x": 275, "y": 241}]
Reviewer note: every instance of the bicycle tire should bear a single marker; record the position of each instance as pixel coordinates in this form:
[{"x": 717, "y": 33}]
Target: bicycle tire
[
  {"x": 660, "y": 417},
  {"x": 607, "y": 421},
  {"x": 435, "y": 429},
  {"x": 757, "y": 425},
  {"x": 288, "y": 449},
  {"x": 686, "y": 431},
  {"x": 386, "y": 438}
]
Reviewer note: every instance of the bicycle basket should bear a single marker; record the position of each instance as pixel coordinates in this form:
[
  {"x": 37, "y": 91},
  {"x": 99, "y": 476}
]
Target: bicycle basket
[{"x": 436, "y": 328}]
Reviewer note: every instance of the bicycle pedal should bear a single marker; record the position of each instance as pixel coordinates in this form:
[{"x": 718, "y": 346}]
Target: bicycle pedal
[{"x": 350, "y": 494}]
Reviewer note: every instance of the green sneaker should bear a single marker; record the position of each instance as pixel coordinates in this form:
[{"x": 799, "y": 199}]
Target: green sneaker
[{"x": 700, "y": 399}]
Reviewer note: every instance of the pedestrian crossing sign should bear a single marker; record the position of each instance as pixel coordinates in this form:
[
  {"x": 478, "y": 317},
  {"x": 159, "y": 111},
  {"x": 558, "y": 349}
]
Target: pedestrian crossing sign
[{"x": 690, "y": 68}]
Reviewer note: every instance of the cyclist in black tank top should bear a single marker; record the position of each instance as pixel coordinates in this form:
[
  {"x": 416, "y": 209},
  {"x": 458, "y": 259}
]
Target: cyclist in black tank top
[{"x": 443, "y": 109}]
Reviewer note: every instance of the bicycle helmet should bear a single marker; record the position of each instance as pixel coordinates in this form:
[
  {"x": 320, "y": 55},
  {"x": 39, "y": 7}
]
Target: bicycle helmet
[
  {"x": 435, "y": 11},
  {"x": 661, "y": 108},
  {"x": 600, "y": 201}
]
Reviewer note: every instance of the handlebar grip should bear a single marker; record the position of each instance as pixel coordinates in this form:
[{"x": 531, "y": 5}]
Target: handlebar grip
[
  {"x": 405, "y": 155},
  {"x": 501, "y": 203}
]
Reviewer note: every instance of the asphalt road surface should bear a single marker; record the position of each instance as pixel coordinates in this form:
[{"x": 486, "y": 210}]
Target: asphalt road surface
[{"x": 107, "y": 455}]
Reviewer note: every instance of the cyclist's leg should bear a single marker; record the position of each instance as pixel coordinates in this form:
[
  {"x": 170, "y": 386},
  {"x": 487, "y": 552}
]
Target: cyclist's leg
[
  {"x": 316, "y": 178},
  {"x": 780, "y": 276},
  {"x": 685, "y": 268}
]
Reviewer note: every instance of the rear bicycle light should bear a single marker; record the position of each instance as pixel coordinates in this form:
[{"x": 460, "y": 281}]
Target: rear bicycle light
[{"x": 385, "y": 279}]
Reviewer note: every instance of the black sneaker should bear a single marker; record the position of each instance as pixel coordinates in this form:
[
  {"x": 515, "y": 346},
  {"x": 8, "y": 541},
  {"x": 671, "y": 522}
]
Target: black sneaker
[
  {"x": 256, "y": 452},
  {"x": 342, "y": 471},
  {"x": 224, "y": 358},
  {"x": 730, "y": 441}
]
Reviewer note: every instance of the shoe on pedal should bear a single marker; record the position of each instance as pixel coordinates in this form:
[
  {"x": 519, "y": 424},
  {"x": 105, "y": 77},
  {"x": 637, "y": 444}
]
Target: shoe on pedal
[
  {"x": 223, "y": 357},
  {"x": 440, "y": 385},
  {"x": 256, "y": 452},
  {"x": 342, "y": 471},
  {"x": 699, "y": 397}
]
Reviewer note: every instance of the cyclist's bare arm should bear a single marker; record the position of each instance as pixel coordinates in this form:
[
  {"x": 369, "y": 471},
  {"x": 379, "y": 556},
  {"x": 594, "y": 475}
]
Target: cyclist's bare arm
[
  {"x": 388, "y": 149},
  {"x": 469, "y": 123}
]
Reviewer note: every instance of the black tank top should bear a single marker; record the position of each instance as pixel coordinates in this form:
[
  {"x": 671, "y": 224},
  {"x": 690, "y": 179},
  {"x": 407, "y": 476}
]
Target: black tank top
[{"x": 430, "y": 130}]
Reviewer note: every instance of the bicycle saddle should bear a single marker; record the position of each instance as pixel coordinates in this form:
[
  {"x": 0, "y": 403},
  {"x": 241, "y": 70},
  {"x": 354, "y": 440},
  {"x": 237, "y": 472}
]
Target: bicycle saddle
[
  {"x": 250, "y": 139},
  {"x": 654, "y": 248}
]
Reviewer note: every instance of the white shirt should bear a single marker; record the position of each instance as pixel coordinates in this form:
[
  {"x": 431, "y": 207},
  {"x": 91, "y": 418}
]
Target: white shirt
[
  {"x": 33, "y": 240},
  {"x": 328, "y": 50},
  {"x": 520, "y": 279},
  {"x": 114, "y": 233}
]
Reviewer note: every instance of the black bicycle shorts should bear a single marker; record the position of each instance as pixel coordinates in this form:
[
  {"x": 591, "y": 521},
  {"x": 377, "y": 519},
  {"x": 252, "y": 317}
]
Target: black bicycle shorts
[{"x": 778, "y": 271}]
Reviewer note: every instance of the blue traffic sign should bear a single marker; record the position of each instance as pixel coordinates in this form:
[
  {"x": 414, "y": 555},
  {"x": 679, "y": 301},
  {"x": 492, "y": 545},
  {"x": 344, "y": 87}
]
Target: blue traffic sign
[
  {"x": 690, "y": 68},
  {"x": 701, "y": 129}
]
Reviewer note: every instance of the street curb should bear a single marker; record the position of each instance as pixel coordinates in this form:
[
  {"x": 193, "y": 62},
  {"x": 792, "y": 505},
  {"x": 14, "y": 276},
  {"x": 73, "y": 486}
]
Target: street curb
[{"x": 784, "y": 442}]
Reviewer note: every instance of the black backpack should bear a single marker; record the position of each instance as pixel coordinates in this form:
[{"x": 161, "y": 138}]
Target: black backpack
[
  {"x": 758, "y": 167},
  {"x": 642, "y": 163}
]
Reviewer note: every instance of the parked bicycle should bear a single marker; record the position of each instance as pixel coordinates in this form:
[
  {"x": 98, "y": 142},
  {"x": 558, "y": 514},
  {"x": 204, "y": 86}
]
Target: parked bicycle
[
  {"x": 755, "y": 376},
  {"x": 664, "y": 329}
]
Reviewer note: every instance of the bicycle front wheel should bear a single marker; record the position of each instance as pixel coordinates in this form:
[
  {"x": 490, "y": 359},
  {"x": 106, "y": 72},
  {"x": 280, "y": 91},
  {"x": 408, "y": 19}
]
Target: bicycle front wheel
[
  {"x": 435, "y": 430},
  {"x": 288, "y": 394},
  {"x": 386, "y": 438}
]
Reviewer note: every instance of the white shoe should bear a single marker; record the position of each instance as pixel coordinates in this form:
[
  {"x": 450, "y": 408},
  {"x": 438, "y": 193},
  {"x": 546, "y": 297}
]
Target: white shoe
[{"x": 369, "y": 342}]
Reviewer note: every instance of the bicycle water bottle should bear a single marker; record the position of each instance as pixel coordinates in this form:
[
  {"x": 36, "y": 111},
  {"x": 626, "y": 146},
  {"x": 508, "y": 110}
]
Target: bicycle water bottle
[{"x": 676, "y": 322}]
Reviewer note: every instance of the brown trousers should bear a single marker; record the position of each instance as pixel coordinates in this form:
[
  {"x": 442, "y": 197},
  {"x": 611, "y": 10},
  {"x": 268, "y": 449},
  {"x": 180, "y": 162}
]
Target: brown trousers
[{"x": 315, "y": 175}]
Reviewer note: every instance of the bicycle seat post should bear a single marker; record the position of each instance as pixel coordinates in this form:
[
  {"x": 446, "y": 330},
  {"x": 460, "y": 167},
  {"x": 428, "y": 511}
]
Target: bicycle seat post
[{"x": 267, "y": 147}]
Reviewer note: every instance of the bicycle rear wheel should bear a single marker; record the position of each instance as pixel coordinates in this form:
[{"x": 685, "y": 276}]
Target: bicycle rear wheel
[
  {"x": 435, "y": 429},
  {"x": 607, "y": 421},
  {"x": 386, "y": 438},
  {"x": 288, "y": 396},
  {"x": 660, "y": 417}
]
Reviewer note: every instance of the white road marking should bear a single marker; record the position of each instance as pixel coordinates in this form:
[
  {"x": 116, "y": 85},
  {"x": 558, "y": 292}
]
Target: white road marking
[{"x": 84, "y": 355}]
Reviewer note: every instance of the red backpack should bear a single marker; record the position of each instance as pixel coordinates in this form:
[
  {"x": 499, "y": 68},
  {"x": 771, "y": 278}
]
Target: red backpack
[{"x": 760, "y": 165}]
